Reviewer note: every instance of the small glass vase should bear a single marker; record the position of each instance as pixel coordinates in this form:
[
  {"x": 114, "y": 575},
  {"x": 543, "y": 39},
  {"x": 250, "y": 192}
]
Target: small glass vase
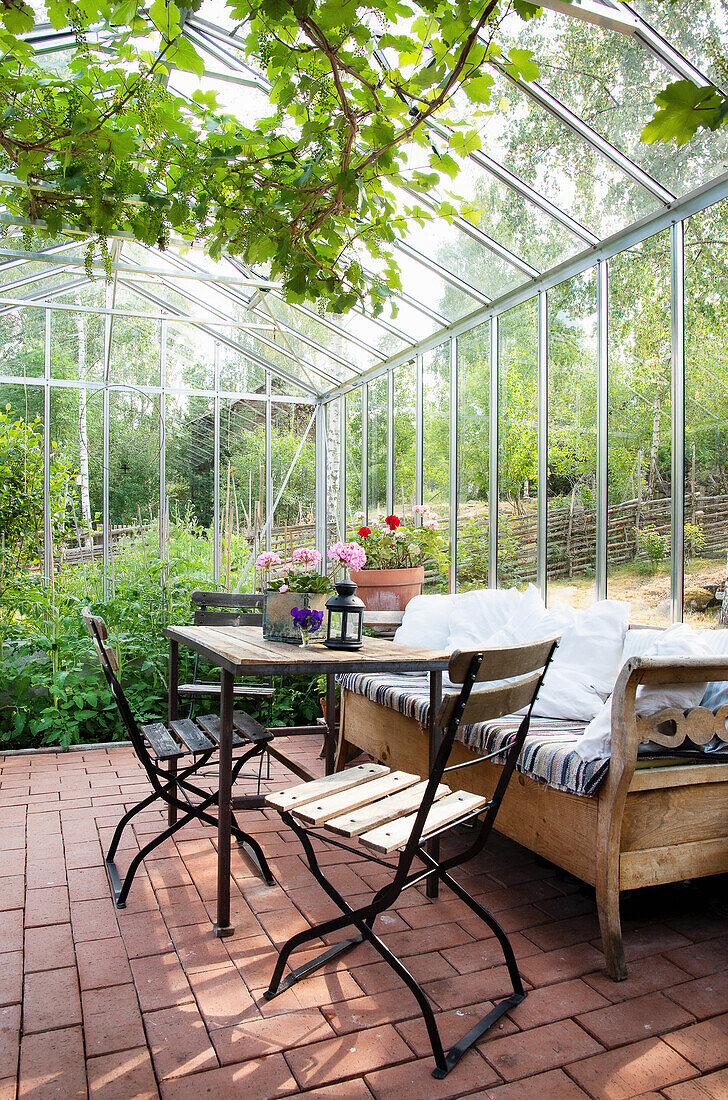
[{"x": 305, "y": 638}]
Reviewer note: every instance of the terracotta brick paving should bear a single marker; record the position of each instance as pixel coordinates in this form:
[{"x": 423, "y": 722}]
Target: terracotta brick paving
[{"x": 145, "y": 1004}]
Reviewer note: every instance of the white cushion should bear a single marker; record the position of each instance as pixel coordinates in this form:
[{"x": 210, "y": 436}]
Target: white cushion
[
  {"x": 676, "y": 641},
  {"x": 586, "y": 664},
  {"x": 426, "y": 622},
  {"x": 477, "y": 615}
]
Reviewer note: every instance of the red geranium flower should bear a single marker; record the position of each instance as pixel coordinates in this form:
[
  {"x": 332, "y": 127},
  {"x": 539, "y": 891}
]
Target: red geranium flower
[
  {"x": 364, "y": 531},
  {"x": 392, "y": 522}
]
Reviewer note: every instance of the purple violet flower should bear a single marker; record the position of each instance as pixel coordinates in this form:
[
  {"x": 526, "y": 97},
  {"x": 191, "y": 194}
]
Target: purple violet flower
[{"x": 306, "y": 618}]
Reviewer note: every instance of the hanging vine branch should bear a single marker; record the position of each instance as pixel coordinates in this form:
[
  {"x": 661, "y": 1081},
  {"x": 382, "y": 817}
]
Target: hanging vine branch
[{"x": 123, "y": 139}]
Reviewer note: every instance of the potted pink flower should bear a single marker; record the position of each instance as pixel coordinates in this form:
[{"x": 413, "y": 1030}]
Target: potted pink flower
[{"x": 394, "y": 571}]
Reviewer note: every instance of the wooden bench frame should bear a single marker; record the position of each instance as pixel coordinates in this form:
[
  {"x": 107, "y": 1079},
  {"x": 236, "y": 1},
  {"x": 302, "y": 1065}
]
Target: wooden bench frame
[{"x": 643, "y": 827}]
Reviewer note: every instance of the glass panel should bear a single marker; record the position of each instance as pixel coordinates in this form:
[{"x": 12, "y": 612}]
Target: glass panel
[
  {"x": 572, "y": 441},
  {"x": 134, "y": 434},
  {"x": 77, "y": 346},
  {"x": 135, "y": 351},
  {"x": 436, "y": 445},
  {"x": 77, "y": 426},
  {"x": 610, "y": 81},
  {"x": 706, "y": 415},
  {"x": 295, "y": 511},
  {"x": 638, "y": 549},
  {"x": 698, "y": 30},
  {"x": 242, "y": 487},
  {"x": 22, "y": 341},
  {"x": 354, "y": 512},
  {"x": 237, "y": 372},
  {"x": 377, "y": 448},
  {"x": 517, "y": 444},
  {"x": 473, "y": 457},
  {"x": 405, "y": 430},
  {"x": 546, "y": 154},
  {"x": 190, "y": 358},
  {"x": 190, "y": 453},
  {"x": 334, "y": 459},
  {"x": 21, "y": 509}
]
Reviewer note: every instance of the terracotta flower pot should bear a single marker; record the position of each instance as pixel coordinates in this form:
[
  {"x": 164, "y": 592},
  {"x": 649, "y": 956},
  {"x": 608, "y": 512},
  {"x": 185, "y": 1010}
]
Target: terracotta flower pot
[{"x": 388, "y": 589}]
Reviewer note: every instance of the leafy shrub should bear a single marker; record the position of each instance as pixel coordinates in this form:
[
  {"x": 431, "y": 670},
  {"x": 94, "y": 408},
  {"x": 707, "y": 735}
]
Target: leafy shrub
[
  {"x": 652, "y": 546},
  {"x": 694, "y": 540}
]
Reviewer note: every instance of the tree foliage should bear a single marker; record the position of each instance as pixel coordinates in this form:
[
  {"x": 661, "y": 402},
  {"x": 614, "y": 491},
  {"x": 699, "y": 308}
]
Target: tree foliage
[{"x": 114, "y": 142}]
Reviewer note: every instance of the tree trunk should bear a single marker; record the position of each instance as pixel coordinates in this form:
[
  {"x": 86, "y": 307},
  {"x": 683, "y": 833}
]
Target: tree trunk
[
  {"x": 83, "y": 479},
  {"x": 333, "y": 464},
  {"x": 655, "y": 447}
]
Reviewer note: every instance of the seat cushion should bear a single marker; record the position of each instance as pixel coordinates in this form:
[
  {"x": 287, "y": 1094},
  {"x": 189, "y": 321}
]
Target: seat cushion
[{"x": 548, "y": 754}]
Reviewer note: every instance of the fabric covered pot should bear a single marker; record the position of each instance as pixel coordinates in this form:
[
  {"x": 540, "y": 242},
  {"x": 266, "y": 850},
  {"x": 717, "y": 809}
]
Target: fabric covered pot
[
  {"x": 278, "y": 626},
  {"x": 388, "y": 589}
]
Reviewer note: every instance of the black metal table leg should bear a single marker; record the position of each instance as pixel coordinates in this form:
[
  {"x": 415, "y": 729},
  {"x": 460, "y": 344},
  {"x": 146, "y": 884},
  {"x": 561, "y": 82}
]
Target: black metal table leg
[
  {"x": 435, "y": 733},
  {"x": 222, "y": 925},
  {"x": 330, "y": 721}
]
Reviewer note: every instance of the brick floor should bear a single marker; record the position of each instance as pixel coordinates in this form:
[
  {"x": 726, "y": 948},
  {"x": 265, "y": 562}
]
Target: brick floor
[{"x": 145, "y": 1004}]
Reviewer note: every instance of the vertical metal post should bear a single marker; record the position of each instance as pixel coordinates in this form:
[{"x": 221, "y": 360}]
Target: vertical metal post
[
  {"x": 321, "y": 480},
  {"x": 365, "y": 452},
  {"x": 602, "y": 428},
  {"x": 268, "y": 460},
  {"x": 342, "y": 467},
  {"x": 543, "y": 404},
  {"x": 419, "y": 429},
  {"x": 453, "y": 465},
  {"x": 47, "y": 524},
  {"x": 217, "y": 536},
  {"x": 389, "y": 491},
  {"x": 493, "y": 456},
  {"x": 677, "y": 485},
  {"x": 163, "y": 532},
  {"x": 106, "y": 452}
]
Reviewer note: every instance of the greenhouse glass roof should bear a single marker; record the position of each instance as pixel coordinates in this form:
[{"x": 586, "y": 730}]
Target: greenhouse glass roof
[{"x": 562, "y": 180}]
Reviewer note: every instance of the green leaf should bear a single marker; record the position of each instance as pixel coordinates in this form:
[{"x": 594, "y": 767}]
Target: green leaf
[
  {"x": 684, "y": 108},
  {"x": 480, "y": 88},
  {"x": 185, "y": 56},
  {"x": 521, "y": 65}
]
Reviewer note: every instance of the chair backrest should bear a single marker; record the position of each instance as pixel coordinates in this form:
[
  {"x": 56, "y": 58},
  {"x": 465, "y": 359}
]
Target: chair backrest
[
  {"x": 110, "y": 666},
  {"x": 524, "y": 667},
  {"x": 227, "y": 608}
]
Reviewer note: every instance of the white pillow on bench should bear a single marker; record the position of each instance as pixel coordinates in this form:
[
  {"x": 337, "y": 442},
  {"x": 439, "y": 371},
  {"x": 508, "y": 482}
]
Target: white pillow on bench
[{"x": 676, "y": 641}]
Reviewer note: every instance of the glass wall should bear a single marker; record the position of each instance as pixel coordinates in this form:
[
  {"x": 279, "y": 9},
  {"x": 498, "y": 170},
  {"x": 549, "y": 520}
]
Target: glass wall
[
  {"x": 706, "y": 413},
  {"x": 436, "y": 448},
  {"x": 377, "y": 449},
  {"x": 353, "y": 461},
  {"x": 572, "y": 441},
  {"x": 473, "y": 457},
  {"x": 405, "y": 436},
  {"x": 517, "y": 445},
  {"x": 639, "y": 443}
]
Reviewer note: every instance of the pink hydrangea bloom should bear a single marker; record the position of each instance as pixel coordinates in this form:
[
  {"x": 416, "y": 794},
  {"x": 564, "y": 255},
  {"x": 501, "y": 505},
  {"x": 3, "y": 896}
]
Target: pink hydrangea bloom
[
  {"x": 432, "y": 522},
  {"x": 306, "y": 556},
  {"x": 421, "y": 509},
  {"x": 414, "y": 550},
  {"x": 350, "y": 554},
  {"x": 267, "y": 560}
]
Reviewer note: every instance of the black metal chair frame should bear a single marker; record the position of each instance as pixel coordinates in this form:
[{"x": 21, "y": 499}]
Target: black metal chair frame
[
  {"x": 231, "y": 609},
  {"x": 364, "y": 916},
  {"x": 174, "y": 788}
]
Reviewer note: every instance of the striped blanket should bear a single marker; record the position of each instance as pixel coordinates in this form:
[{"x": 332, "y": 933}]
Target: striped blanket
[{"x": 548, "y": 753}]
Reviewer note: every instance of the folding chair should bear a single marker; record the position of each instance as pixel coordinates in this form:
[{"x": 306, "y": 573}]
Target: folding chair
[
  {"x": 393, "y": 811},
  {"x": 193, "y": 744}
]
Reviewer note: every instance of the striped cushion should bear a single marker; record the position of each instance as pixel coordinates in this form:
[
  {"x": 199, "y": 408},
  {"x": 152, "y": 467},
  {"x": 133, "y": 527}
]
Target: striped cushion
[{"x": 548, "y": 753}]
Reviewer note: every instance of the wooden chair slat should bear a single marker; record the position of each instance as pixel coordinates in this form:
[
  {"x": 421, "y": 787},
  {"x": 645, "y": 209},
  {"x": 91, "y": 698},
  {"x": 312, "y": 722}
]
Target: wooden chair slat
[
  {"x": 228, "y": 618},
  {"x": 492, "y": 702},
  {"x": 314, "y": 813},
  {"x": 210, "y": 723},
  {"x": 501, "y": 663},
  {"x": 262, "y": 691},
  {"x": 386, "y": 809},
  {"x": 327, "y": 784},
  {"x": 227, "y": 599},
  {"x": 448, "y": 811},
  {"x": 161, "y": 740},
  {"x": 250, "y": 728},
  {"x": 191, "y": 735}
]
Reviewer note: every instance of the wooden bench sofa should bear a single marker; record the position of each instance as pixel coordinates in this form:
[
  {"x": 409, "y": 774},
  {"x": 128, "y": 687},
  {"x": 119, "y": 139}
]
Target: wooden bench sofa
[{"x": 649, "y": 821}]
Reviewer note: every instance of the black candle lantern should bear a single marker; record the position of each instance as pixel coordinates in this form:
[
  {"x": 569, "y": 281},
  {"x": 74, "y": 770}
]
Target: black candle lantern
[{"x": 345, "y": 618}]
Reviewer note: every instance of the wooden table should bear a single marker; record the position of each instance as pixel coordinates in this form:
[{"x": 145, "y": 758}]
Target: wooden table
[{"x": 242, "y": 651}]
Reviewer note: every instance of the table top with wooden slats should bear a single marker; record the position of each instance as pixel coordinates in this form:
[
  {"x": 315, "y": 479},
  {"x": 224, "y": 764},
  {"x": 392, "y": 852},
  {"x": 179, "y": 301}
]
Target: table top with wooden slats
[{"x": 243, "y": 651}]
